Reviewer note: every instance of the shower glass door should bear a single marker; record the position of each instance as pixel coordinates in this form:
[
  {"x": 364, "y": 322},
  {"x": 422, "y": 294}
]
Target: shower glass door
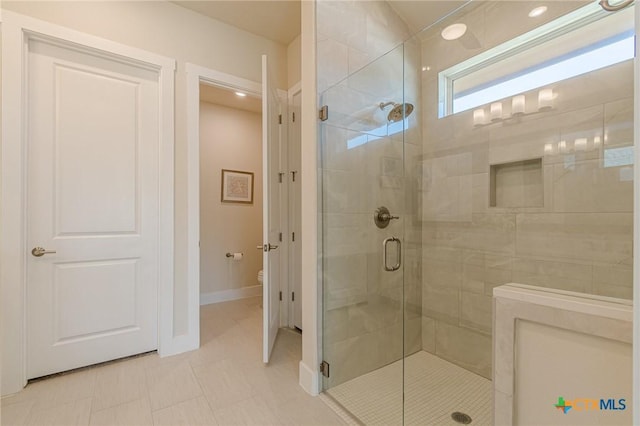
[{"x": 363, "y": 178}]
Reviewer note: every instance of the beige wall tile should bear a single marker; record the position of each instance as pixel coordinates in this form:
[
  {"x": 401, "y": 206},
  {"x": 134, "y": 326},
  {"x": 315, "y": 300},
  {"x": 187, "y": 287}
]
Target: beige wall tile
[
  {"x": 564, "y": 275},
  {"x": 442, "y": 303},
  {"x": 613, "y": 280},
  {"x": 486, "y": 232},
  {"x": 412, "y": 336},
  {"x": 429, "y": 334},
  {"x": 587, "y": 186},
  {"x": 345, "y": 280},
  {"x": 335, "y": 65},
  {"x": 335, "y": 324},
  {"x": 441, "y": 253},
  {"x": 468, "y": 349},
  {"x": 476, "y": 311},
  {"x": 590, "y": 236},
  {"x": 438, "y": 273},
  {"x": 620, "y": 275},
  {"x": 618, "y": 123}
]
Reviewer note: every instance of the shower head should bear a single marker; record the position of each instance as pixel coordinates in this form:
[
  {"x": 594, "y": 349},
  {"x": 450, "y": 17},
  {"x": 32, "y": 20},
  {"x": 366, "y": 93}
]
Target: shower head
[{"x": 398, "y": 112}]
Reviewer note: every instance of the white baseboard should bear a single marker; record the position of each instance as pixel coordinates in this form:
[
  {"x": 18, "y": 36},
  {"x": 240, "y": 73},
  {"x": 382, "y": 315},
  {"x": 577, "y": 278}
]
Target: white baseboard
[
  {"x": 309, "y": 380},
  {"x": 231, "y": 294}
]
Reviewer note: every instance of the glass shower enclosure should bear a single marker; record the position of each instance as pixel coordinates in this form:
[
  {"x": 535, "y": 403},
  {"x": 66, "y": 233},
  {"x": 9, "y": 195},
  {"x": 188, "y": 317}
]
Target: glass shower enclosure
[
  {"x": 364, "y": 219},
  {"x": 452, "y": 165}
]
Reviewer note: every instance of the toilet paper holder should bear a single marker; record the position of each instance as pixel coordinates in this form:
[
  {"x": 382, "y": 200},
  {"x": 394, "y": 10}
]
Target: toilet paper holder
[{"x": 231, "y": 254}]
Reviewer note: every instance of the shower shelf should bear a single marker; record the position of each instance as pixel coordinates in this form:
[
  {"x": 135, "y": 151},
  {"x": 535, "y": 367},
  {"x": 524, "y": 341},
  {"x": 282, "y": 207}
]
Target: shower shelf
[{"x": 517, "y": 184}]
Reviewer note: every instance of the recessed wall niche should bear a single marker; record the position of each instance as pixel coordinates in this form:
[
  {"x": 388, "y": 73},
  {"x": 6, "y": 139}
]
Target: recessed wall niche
[{"x": 517, "y": 184}]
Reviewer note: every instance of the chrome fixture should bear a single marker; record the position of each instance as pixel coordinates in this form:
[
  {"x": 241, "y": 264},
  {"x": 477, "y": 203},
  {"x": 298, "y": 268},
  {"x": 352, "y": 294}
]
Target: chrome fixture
[
  {"x": 382, "y": 217},
  {"x": 614, "y": 8},
  {"x": 399, "y": 111},
  {"x": 385, "y": 243},
  {"x": 39, "y": 251},
  {"x": 266, "y": 247}
]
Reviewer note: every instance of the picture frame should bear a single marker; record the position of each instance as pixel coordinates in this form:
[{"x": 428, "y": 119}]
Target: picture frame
[{"x": 236, "y": 187}]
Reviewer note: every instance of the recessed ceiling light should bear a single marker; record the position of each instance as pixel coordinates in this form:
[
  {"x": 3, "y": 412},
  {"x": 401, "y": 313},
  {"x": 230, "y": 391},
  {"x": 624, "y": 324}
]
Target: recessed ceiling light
[
  {"x": 537, "y": 11},
  {"x": 454, "y": 31},
  {"x": 242, "y": 95}
]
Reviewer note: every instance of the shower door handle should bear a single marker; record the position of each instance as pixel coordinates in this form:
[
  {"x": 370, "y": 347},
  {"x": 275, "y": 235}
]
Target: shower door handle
[{"x": 385, "y": 243}]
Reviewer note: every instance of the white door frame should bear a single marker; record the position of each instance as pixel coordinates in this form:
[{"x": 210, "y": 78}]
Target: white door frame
[
  {"x": 289, "y": 317},
  {"x": 16, "y": 31},
  {"x": 197, "y": 74},
  {"x": 636, "y": 230}
]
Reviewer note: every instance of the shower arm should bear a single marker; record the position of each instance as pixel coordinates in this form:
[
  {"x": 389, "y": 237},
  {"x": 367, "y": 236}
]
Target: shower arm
[
  {"x": 383, "y": 105},
  {"x": 609, "y": 8}
]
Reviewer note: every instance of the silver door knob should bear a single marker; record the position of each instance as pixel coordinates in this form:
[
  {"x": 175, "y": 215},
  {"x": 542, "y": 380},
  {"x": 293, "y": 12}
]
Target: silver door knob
[
  {"x": 269, "y": 247},
  {"x": 39, "y": 251}
]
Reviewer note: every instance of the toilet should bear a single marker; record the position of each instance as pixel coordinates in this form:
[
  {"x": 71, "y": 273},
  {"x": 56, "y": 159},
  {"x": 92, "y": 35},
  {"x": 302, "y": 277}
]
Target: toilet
[{"x": 260, "y": 276}]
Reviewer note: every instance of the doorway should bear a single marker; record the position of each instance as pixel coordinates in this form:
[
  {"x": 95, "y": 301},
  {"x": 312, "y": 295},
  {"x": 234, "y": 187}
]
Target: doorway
[
  {"x": 275, "y": 216},
  {"x": 230, "y": 226}
]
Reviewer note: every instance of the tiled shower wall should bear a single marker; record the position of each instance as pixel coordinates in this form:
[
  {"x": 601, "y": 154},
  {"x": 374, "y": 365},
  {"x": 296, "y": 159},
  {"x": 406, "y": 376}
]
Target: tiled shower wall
[
  {"x": 562, "y": 220},
  {"x": 363, "y": 304}
]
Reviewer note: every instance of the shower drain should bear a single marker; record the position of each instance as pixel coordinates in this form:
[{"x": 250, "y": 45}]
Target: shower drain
[{"x": 459, "y": 417}]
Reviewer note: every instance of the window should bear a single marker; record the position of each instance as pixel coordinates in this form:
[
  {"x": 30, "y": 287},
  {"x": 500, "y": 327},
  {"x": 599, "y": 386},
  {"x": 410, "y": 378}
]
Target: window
[{"x": 577, "y": 43}]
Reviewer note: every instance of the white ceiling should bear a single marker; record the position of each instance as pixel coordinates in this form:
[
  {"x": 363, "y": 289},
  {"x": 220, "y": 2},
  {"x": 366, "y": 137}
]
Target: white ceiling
[
  {"x": 277, "y": 20},
  {"x": 421, "y": 14},
  {"x": 228, "y": 98}
]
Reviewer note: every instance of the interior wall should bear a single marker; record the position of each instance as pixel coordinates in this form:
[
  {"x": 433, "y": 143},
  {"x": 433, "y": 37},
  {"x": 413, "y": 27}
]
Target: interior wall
[
  {"x": 167, "y": 29},
  {"x": 229, "y": 139},
  {"x": 567, "y": 224},
  {"x": 309, "y": 375},
  {"x": 294, "y": 63}
]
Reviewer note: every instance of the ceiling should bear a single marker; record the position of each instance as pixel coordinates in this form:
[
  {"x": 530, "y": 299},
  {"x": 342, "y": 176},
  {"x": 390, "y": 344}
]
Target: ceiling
[
  {"x": 228, "y": 98},
  {"x": 421, "y": 14},
  {"x": 277, "y": 20}
]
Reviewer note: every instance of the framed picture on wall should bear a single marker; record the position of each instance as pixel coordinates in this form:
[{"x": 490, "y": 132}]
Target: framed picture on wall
[{"x": 237, "y": 187}]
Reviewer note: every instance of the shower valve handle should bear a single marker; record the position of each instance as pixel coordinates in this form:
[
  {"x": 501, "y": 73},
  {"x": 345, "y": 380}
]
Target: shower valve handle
[
  {"x": 387, "y": 217},
  {"x": 382, "y": 217}
]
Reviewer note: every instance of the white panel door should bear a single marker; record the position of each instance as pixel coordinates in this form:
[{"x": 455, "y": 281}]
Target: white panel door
[
  {"x": 92, "y": 198},
  {"x": 271, "y": 211}
]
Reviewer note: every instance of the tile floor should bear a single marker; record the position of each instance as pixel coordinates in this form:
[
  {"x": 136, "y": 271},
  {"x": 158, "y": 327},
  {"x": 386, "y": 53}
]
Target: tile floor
[
  {"x": 222, "y": 383},
  {"x": 434, "y": 389}
]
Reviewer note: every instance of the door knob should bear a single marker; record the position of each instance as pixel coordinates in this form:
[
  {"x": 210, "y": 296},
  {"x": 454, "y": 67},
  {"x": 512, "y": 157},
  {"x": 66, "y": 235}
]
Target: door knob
[
  {"x": 39, "y": 251},
  {"x": 269, "y": 247}
]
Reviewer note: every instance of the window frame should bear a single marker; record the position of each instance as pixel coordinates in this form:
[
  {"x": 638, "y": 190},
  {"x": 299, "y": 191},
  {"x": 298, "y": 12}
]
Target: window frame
[{"x": 530, "y": 40}]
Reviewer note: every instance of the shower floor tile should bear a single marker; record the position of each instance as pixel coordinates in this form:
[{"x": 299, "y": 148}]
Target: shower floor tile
[{"x": 434, "y": 388}]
